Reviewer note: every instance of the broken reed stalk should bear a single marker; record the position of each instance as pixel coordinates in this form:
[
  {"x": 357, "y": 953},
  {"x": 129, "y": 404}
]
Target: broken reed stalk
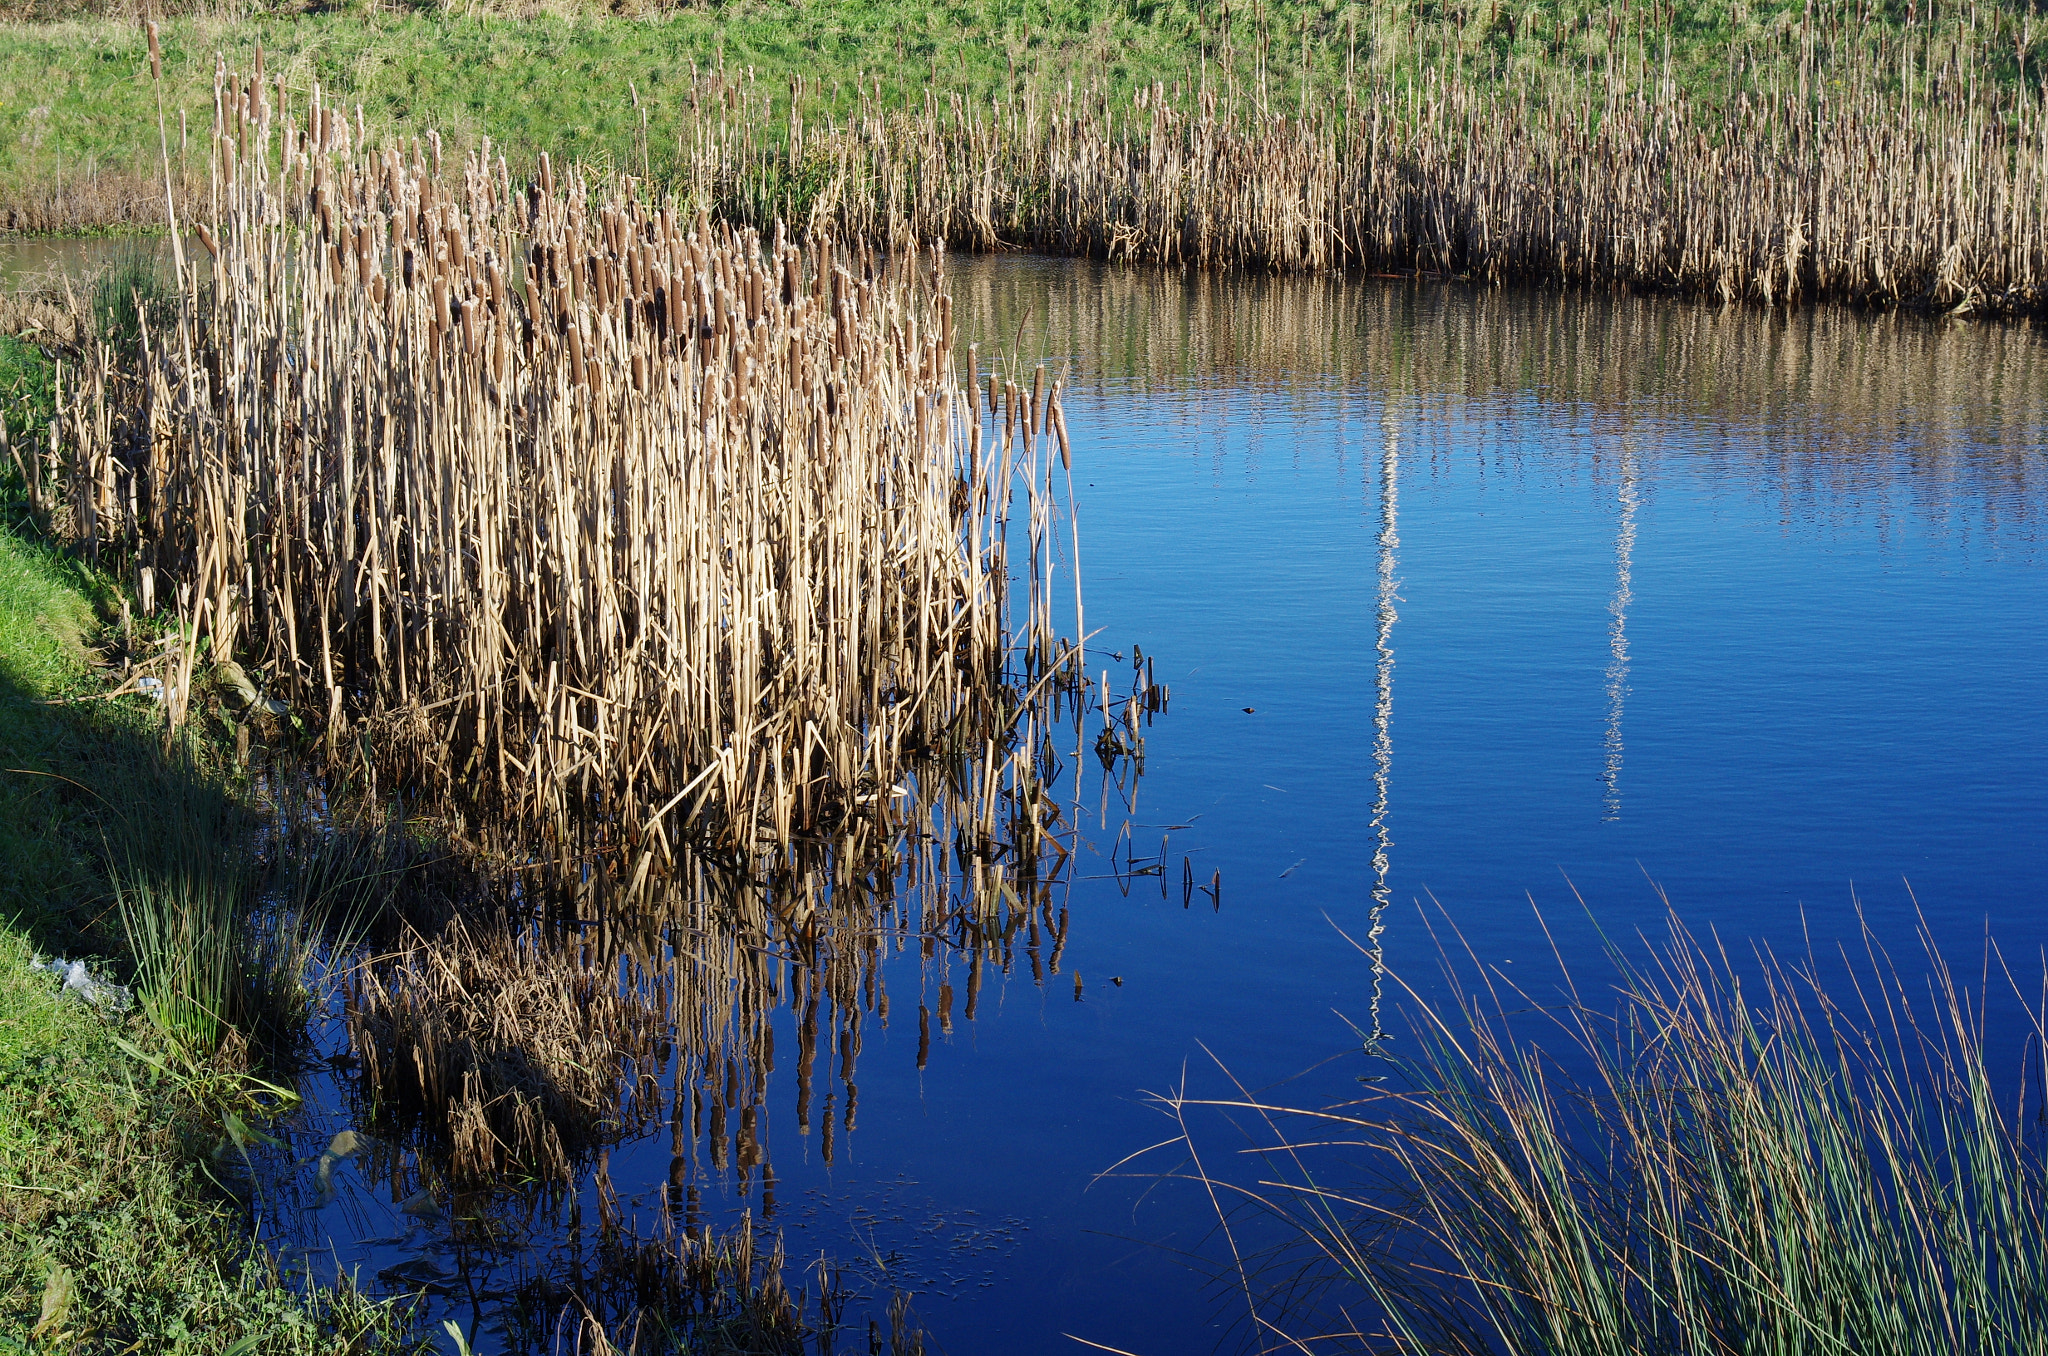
[
  {"x": 584, "y": 516},
  {"x": 1904, "y": 177}
]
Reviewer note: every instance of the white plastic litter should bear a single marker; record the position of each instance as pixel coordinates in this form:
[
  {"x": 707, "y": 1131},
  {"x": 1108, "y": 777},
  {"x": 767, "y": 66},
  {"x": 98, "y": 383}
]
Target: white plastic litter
[
  {"x": 341, "y": 1148},
  {"x": 81, "y": 986},
  {"x": 151, "y": 687}
]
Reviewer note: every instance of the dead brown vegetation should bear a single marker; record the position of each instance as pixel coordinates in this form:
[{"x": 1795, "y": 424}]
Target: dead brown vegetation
[
  {"x": 109, "y": 200},
  {"x": 606, "y": 523},
  {"x": 517, "y": 1053},
  {"x": 1885, "y": 173}
]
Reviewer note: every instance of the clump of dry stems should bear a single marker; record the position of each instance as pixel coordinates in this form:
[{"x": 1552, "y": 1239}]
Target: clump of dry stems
[
  {"x": 602, "y": 521},
  {"x": 507, "y": 1053},
  {"x": 1832, "y": 166}
]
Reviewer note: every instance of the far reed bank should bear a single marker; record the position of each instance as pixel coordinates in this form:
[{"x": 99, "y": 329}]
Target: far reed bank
[{"x": 1864, "y": 153}]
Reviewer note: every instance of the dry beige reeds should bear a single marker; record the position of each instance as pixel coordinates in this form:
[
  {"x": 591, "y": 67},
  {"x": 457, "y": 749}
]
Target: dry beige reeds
[
  {"x": 583, "y": 516},
  {"x": 511, "y": 1054},
  {"x": 93, "y": 200},
  {"x": 1892, "y": 172}
]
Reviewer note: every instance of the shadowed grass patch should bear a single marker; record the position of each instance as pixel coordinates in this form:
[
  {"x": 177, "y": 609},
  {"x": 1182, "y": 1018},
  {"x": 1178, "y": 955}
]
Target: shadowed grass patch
[{"x": 116, "y": 1234}]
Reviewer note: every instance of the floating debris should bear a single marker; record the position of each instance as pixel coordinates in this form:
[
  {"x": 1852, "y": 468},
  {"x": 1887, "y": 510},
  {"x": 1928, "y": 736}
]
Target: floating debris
[{"x": 344, "y": 1146}]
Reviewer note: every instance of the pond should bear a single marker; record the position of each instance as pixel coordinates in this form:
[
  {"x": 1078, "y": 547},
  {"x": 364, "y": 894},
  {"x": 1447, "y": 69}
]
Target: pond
[{"x": 1491, "y": 619}]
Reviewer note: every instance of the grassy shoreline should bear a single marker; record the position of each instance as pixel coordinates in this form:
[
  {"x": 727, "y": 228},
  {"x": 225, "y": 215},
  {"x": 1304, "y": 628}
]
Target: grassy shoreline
[
  {"x": 115, "y": 1230},
  {"x": 79, "y": 149}
]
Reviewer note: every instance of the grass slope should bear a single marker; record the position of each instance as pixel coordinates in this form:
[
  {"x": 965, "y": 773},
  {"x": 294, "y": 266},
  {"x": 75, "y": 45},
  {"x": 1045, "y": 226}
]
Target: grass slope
[
  {"x": 114, "y": 1235},
  {"x": 79, "y": 147}
]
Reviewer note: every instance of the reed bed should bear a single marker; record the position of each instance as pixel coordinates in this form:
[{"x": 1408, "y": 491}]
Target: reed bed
[
  {"x": 1738, "y": 1156},
  {"x": 582, "y": 516},
  {"x": 96, "y": 199},
  {"x": 1895, "y": 172}
]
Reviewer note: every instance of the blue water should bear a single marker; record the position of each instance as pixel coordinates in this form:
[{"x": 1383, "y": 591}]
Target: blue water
[
  {"x": 1565, "y": 606},
  {"x": 1747, "y": 613}
]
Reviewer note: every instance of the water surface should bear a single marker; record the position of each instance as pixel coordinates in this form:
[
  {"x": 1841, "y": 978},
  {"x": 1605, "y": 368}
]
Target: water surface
[{"x": 1490, "y": 618}]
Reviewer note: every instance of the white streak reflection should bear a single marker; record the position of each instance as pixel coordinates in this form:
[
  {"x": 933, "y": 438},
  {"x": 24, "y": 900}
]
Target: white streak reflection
[
  {"x": 1383, "y": 710},
  {"x": 1617, "y": 631}
]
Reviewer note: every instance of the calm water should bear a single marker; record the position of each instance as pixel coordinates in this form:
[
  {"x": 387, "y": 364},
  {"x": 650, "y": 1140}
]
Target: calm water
[
  {"x": 1601, "y": 594},
  {"x": 1472, "y": 604}
]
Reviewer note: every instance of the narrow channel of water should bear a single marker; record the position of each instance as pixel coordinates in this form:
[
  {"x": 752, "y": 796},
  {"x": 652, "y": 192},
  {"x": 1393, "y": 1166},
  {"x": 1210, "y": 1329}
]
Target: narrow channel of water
[{"x": 1473, "y": 605}]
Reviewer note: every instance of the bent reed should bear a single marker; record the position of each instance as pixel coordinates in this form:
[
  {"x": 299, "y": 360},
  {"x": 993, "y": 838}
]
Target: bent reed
[{"x": 552, "y": 505}]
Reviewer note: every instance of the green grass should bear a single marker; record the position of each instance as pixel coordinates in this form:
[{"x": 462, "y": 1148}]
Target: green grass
[
  {"x": 1711, "y": 1155},
  {"x": 112, "y": 1216},
  {"x": 78, "y": 110},
  {"x": 48, "y": 608},
  {"x": 105, "y": 1185}
]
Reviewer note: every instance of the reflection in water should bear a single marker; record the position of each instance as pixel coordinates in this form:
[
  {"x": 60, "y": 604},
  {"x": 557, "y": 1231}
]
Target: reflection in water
[
  {"x": 971, "y": 882},
  {"x": 778, "y": 982},
  {"x": 1383, "y": 709},
  {"x": 1617, "y": 629},
  {"x": 505, "y": 1084},
  {"x": 1814, "y": 403}
]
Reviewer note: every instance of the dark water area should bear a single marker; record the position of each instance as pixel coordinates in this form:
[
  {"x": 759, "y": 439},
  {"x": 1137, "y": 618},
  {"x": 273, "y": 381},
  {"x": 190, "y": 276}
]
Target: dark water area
[
  {"x": 27, "y": 260},
  {"x": 1492, "y": 620}
]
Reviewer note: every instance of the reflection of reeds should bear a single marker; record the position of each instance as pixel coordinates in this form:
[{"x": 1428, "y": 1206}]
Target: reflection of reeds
[
  {"x": 1727, "y": 1162},
  {"x": 509, "y": 1054},
  {"x": 1812, "y": 402},
  {"x": 1886, "y": 172},
  {"x": 692, "y": 1290}
]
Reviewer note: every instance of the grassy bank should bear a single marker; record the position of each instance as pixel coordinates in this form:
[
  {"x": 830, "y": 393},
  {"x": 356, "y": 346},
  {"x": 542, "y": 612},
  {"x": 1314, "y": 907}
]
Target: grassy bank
[
  {"x": 80, "y": 151},
  {"x": 1842, "y": 152},
  {"x": 79, "y": 146},
  {"x": 116, "y": 1229}
]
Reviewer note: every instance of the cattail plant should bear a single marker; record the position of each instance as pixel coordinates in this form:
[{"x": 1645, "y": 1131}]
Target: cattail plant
[
  {"x": 1906, "y": 177},
  {"x": 588, "y": 517}
]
